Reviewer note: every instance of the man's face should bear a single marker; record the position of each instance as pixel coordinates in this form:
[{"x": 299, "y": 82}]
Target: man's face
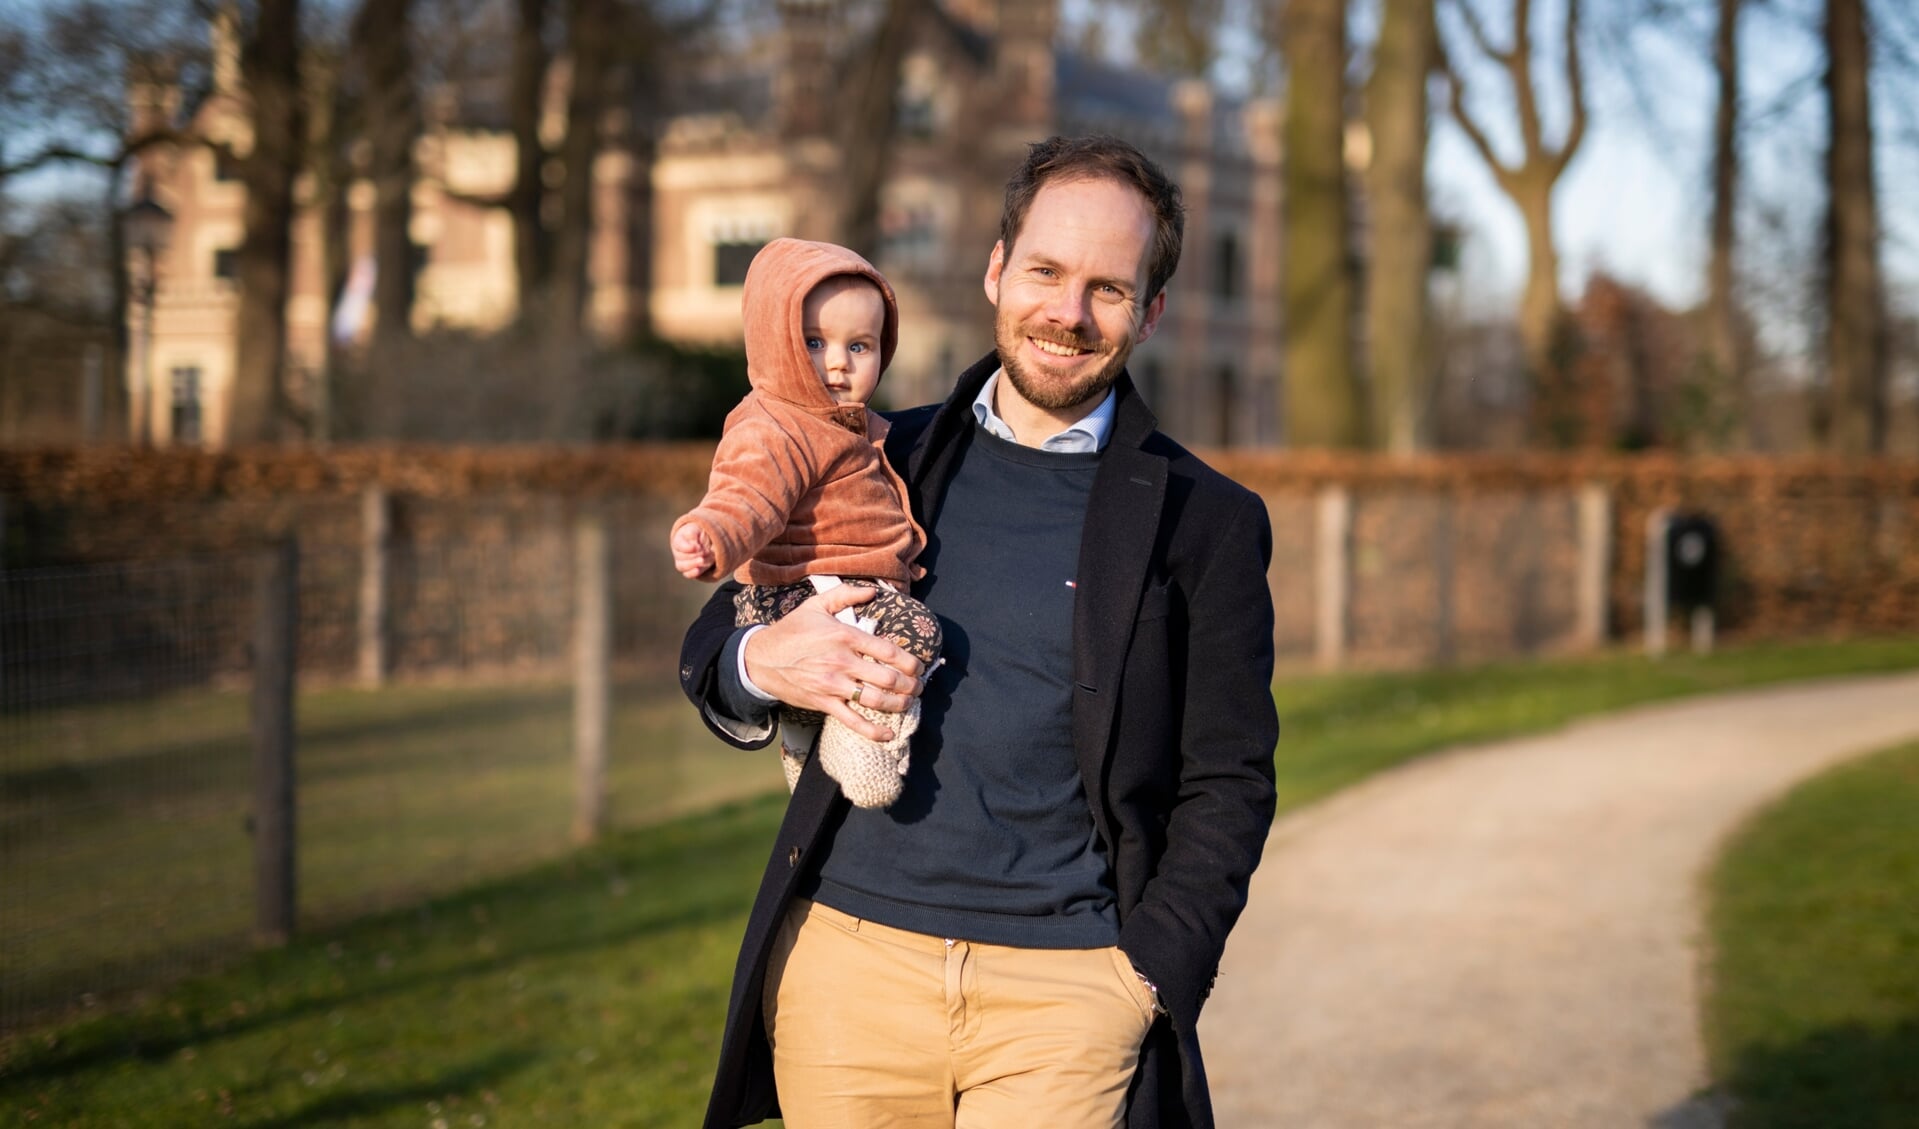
[
  {"x": 842, "y": 319},
  {"x": 1068, "y": 292}
]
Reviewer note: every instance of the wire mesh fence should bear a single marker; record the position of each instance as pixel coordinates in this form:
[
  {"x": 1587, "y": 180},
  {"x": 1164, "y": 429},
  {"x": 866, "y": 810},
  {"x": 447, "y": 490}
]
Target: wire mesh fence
[{"x": 127, "y": 815}]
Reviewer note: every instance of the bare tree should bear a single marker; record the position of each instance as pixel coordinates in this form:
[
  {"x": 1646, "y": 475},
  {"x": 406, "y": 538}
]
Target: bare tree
[
  {"x": 1322, "y": 396},
  {"x": 270, "y": 69},
  {"x": 1401, "y": 246},
  {"x": 591, "y": 31},
  {"x": 1726, "y": 368},
  {"x": 868, "y": 121},
  {"x": 1530, "y": 182},
  {"x": 382, "y": 52},
  {"x": 1856, "y": 303},
  {"x": 532, "y": 253}
]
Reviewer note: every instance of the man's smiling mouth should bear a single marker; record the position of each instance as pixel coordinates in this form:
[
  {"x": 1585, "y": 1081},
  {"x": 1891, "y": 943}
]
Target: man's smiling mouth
[{"x": 1055, "y": 349}]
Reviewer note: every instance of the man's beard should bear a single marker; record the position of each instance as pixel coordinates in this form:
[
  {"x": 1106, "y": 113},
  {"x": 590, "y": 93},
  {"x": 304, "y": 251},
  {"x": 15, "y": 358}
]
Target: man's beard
[{"x": 1046, "y": 390}]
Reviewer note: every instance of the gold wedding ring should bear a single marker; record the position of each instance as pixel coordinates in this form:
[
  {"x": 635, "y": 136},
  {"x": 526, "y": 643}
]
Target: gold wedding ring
[{"x": 857, "y": 688}]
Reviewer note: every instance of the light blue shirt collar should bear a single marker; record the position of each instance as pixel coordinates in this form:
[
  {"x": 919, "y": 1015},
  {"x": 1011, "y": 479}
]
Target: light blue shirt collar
[{"x": 1085, "y": 437}]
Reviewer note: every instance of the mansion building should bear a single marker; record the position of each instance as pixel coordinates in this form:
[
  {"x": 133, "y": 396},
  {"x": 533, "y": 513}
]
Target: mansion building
[{"x": 749, "y": 156}]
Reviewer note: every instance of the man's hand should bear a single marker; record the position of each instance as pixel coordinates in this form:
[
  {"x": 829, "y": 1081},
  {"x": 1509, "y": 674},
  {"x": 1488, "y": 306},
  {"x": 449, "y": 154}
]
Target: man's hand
[
  {"x": 812, "y": 661},
  {"x": 691, "y": 554}
]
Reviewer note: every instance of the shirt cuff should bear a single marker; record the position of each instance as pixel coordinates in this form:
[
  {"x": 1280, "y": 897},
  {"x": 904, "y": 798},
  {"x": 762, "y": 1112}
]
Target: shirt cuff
[{"x": 738, "y": 645}]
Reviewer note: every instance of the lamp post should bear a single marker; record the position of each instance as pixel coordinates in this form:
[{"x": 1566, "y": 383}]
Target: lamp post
[{"x": 147, "y": 226}]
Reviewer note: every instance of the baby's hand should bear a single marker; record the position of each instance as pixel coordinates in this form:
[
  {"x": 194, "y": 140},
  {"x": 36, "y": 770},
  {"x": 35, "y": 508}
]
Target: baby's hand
[{"x": 691, "y": 553}]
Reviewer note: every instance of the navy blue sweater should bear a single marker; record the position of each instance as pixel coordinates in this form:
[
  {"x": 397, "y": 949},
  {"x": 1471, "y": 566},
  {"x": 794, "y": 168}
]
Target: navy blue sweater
[{"x": 992, "y": 839}]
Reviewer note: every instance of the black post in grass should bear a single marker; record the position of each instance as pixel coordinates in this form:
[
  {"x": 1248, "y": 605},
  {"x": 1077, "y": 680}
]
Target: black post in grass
[{"x": 275, "y": 621}]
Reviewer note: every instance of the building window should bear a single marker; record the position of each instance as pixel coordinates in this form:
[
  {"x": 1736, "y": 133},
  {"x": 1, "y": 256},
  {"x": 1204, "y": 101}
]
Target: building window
[
  {"x": 186, "y": 404},
  {"x": 909, "y": 236},
  {"x": 226, "y": 263},
  {"x": 917, "y": 115},
  {"x": 226, "y": 164},
  {"x": 731, "y": 257},
  {"x": 422, "y": 254},
  {"x": 1226, "y": 267}
]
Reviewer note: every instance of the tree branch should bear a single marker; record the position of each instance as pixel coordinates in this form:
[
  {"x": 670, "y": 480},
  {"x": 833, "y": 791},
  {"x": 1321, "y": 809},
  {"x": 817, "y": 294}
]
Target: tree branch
[
  {"x": 1457, "y": 92},
  {"x": 1525, "y": 98},
  {"x": 53, "y": 154},
  {"x": 1576, "y": 84},
  {"x": 1477, "y": 29}
]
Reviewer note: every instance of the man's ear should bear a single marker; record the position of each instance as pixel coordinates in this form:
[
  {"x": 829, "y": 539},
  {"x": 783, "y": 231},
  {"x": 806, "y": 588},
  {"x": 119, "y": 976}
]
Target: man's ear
[
  {"x": 1150, "y": 321},
  {"x": 995, "y": 263}
]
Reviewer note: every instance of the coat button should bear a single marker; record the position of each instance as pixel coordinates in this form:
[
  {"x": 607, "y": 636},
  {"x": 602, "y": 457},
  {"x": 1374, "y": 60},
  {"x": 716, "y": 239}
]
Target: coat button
[{"x": 793, "y": 857}]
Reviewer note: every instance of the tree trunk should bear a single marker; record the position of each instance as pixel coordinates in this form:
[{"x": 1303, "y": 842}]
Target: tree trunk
[
  {"x": 1856, "y": 334},
  {"x": 333, "y": 176},
  {"x": 532, "y": 255},
  {"x": 868, "y": 125},
  {"x": 1322, "y": 401},
  {"x": 269, "y": 66},
  {"x": 1401, "y": 242},
  {"x": 1539, "y": 303},
  {"x": 383, "y": 54},
  {"x": 589, "y": 31},
  {"x": 1726, "y": 373},
  {"x": 116, "y": 412}
]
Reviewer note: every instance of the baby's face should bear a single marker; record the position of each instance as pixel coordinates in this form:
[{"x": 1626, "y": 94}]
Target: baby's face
[{"x": 842, "y": 319}]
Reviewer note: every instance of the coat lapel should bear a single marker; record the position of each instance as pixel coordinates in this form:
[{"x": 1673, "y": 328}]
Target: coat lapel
[
  {"x": 929, "y": 466},
  {"x": 1115, "y": 553}
]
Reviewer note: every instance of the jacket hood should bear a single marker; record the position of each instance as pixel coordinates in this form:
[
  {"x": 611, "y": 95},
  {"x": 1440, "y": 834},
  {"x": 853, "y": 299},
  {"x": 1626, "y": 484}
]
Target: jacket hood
[{"x": 771, "y": 305}]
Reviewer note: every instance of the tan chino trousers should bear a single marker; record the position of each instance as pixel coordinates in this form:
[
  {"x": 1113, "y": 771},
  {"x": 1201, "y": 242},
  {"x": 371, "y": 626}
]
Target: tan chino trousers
[{"x": 874, "y": 1026}]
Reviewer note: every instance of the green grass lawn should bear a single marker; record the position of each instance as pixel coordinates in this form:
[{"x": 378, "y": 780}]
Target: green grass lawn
[
  {"x": 590, "y": 990},
  {"x": 1813, "y": 1018},
  {"x": 125, "y": 827}
]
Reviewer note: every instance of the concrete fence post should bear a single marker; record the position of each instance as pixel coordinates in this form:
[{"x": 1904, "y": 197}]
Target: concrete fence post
[
  {"x": 1657, "y": 611},
  {"x": 1333, "y": 573},
  {"x": 275, "y": 642},
  {"x": 592, "y": 656},
  {"x": 1595, "y": 563},
  {"x": 376, "y": 532}
]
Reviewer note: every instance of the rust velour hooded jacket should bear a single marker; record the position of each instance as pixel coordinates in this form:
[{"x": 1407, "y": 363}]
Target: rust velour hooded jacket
[{"x": 799, "y": 486}]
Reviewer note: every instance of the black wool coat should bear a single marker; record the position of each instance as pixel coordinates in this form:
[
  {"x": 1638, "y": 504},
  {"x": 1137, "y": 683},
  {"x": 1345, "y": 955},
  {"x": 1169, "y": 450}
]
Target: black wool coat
[{"x": 1173, "y": 729}]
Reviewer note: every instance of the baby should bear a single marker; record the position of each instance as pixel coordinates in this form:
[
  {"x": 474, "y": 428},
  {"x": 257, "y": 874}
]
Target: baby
[{"x": 801, "y": 498}]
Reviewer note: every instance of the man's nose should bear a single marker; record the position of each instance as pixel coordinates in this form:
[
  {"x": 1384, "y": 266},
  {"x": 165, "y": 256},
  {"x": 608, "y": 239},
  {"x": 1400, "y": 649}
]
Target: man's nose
[{"x": 1066, "y": 306}]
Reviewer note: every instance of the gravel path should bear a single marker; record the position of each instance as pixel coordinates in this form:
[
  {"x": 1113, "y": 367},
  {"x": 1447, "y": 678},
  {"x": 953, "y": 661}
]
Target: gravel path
[{"x": 1506, "y": 935}]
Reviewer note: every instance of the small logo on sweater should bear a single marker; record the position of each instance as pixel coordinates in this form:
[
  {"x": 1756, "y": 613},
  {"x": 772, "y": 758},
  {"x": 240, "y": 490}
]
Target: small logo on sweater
[{"x": 1072, "y": 584}]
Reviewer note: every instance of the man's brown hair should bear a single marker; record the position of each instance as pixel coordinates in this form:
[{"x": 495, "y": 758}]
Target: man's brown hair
[{"x": 1059, "y": 159}]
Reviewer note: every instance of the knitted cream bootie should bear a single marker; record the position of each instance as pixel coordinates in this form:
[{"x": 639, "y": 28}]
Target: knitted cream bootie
[
  {"x": 796, "y": 746},
  {"x": 870, "y": 773}
]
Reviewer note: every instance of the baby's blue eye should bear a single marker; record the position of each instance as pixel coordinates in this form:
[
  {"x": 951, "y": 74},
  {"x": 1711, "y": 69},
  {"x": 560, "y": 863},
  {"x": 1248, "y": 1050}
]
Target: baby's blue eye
[
  {"x": 815, "y": 343},
  {"x": 858, "y": 347}
]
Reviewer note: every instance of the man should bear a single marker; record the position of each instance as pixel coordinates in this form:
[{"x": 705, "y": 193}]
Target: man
[{"x": 1027, "y": 935}]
